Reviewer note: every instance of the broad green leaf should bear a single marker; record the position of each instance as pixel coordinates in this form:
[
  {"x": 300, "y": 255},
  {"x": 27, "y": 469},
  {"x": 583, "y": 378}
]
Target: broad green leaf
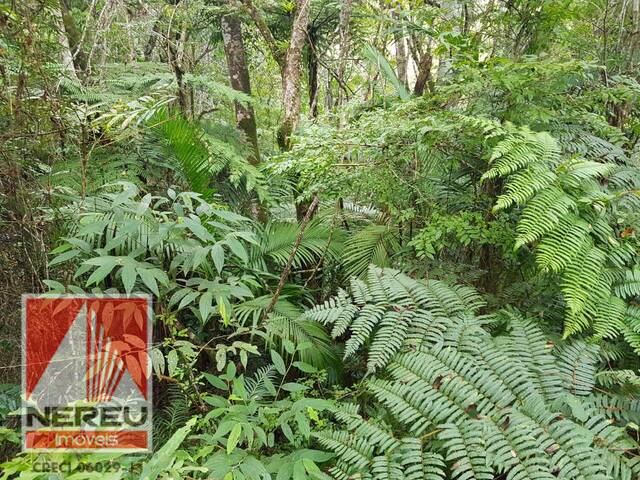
[
  {"x": 129, "y": 276},
  {"x": 172, "y": 362},
  {"x": 215, "y": 381},
  {"x": 102, "y": 271},
  {"x": 157, "y": 360},
  {"x": 221, "y": 359},
  {"x": 278, "y": 362},
  {"x": 289, "y": 346},
  {"x": 198, "y": 229},
  {"x": 65, "y": 257},
  {"x": 294, "y": 387},
  {"x": 224, "y": 308},
  {"x": 234, "y": 436},
  {"x": 217, "y": 254},
  {"x": 205, "y": 305},
  {"x": 305, "y": 367},
  {"x": 148, "y": 279},
  {"x": 190, "y": 297},
  {"x": 164, "y": 457},
  {"x": 178, "y": 294},
  {"x": 378, "y": 59},
  {"x": 237, "y": 248}
]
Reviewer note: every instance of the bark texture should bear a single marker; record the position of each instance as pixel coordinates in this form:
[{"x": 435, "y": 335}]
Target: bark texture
[
  {"x": 401, "y": 54},
  {"x": 291, "y": 74},
  {"x": 239, "y": 78},
  {"x": 423, "y": 78},
  {"x": 74, "y": 37},
  {"x": 290, "y": 64},
  {"x": 345, "y": 44}
]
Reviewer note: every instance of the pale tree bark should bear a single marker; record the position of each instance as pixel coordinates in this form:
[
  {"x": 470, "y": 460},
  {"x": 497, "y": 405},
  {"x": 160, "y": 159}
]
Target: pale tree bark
[
  {"x": 344, "y": 33},
  {"x": 635, "y": 31},
  {"x": 152, "y": 40},
  {"x": 262, "y": 26},
  {"x": 239, "y": 78},
  {"x": 65, "y": 53},
  {"x": 401, "y": 53},
  {"x": 74, "y": 39},
  {"x": 291, "y": 74},
  {"x": 176, "y": 58},
  {"x": 290, "y": 65}
]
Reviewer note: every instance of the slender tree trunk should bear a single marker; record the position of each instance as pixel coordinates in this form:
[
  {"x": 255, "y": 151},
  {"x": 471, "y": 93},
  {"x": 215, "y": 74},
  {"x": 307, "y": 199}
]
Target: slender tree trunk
[
  {"x": 262, "y": 26},
  {"x": 152, "y": 40},
  {"x": 401, "y": 54},
  {"x": 133, "y": 50},
  {"x": 313, "y": 76},
  {"x": 73, "y": 38},
  {"x": 291, "y": 75},
  {"x": 175, "y": 54},
  {"x": 345, "y": 44},
  {"x": 424, "y": 73},
  {"x": 66, "y": 56},
  {"x": 290, "y": 65},
  {"x": 183, "y": 96},
  {"x": 239, "y": 79}
]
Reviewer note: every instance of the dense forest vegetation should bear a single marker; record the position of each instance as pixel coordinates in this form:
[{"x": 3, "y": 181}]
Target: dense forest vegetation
[{"x": 387, "y": 239}]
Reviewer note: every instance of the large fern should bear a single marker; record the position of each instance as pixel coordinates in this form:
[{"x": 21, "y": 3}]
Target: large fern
[
  {"x": 462, "y": 403},
  {"x": 580, "y": 216}
]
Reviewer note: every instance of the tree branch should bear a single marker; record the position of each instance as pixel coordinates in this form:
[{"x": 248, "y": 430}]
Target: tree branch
[
  {"x": 260, "y": 22},
  {"x": 296, "y": 245}
]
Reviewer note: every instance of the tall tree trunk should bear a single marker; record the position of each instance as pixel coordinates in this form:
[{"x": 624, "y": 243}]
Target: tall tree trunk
[
  {"x": 291, "y": 75},
  {"x": 401, "y": 54},
  {"x": 313, "y": 76},
  {"x": 175, "y": 54},
  {"x": 73, "y": 38},
  {"x": 152, "y": 40},
  {"x": 424, "y": 72},
  {"x": 345, "y": 44},
  {"x": 239, "y": 79},
  {"x": 290, "y": 64},
  {"x": 66, "y": 59}
]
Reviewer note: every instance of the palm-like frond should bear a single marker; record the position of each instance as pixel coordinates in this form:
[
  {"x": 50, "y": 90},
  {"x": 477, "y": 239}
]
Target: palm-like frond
[
  {"x": 278, "y": 238},
  {"x": 374, "y": 244},
  {"x": 286, "y": 324}
]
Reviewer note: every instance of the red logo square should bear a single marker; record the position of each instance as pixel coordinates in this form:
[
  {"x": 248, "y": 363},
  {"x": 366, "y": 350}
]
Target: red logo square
[{"x": 86, "y": 378}]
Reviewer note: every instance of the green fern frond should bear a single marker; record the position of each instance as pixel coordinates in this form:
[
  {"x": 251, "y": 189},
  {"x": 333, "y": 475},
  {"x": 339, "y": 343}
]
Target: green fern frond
[
  {"x": 523, "y": 185},
  {"x": 256, "y": 385},
  {"x": 351, "y": 450},
  {"x": 515, "y": 404},
  {"x": 567, "y": 217},
  {"x": 577, "y": 367},
  {"x": 396, "y": 311},
  {"x": 563, "y": 244},
  {"x": 543, "y": 214},
  {"x": 629, "y": 285},
  {"x": 374, "y": 244},
  {"x": 583, "y": 284},
  {"x": 419, "y": 464},
  {"x": 465, "y": 450},
  {"x": 521, "y": 149}
]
